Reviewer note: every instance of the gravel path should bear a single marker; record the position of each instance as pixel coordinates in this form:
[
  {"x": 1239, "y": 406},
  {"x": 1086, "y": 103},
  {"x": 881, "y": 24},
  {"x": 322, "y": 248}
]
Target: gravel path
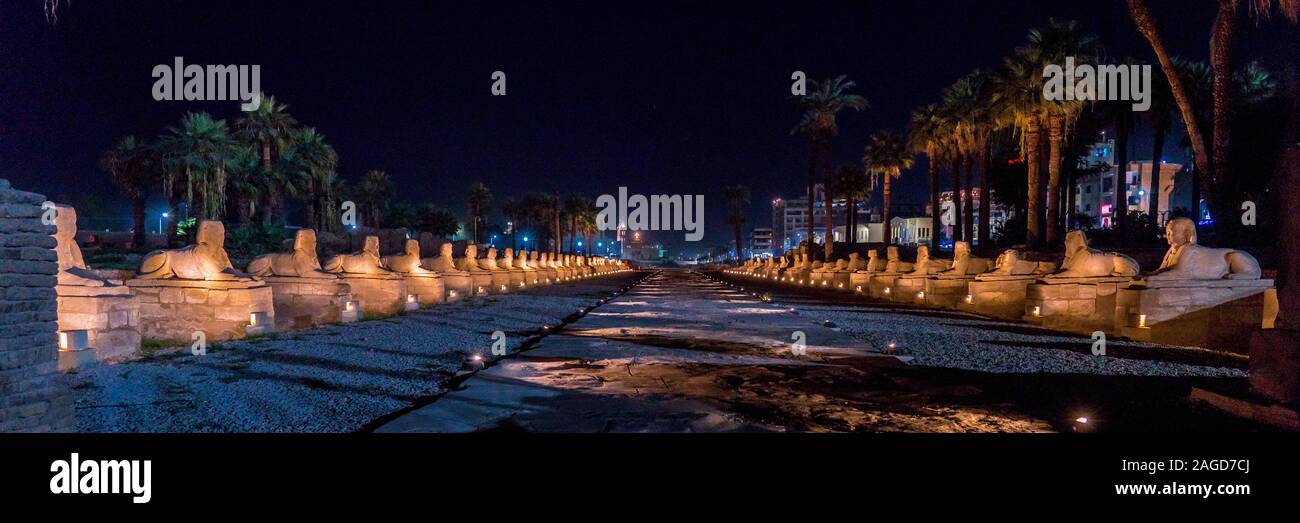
[{"x": 330, "y": 379}]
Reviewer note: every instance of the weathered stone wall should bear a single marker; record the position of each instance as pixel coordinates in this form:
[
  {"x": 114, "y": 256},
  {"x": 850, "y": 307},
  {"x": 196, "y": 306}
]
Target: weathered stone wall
[{"x": 33, "y": 395}]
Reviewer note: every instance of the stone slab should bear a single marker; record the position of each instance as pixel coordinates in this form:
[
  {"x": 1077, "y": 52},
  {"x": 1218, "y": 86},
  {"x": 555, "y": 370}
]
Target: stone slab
[
  {"x": 907, "y": 289},
  {"x": 383, "y": 295},
  {"x": 428, "y": 289},
  {"x": 111, "y": 317},
  {"x": 946, "y": 292},
  {"x": 1218, "y": 314},
  {"x": 307, "y": 302},
  {"x": 1085, "y": 305},
  {"x": 1002, "y": 297},
  {"x": 172, "y": 310}
]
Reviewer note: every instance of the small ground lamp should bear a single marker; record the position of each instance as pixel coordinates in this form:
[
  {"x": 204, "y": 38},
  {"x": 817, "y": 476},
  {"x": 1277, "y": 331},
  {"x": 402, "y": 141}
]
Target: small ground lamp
[
  {"x": 1142, "y": 321},
  {"x": 412, "y": 302},
  {"x": 351, "y": 310},
  {"x": 74, "y": 349},
  {"x": 970, "y": 299},
  {"x": 258, "y": 323},
  {"x": 1038, "y": 310}
]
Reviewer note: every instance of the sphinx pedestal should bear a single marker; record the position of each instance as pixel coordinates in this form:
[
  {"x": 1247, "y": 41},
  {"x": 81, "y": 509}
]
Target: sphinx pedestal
[
  {"x": 500, "y": 282},
  {"x": 947, "y": 291},
  {"x": 109, "y": 315},
  {"x": 532, "y": 277},
  {"x": 457, "y": 284},
  {"x": 173, "y": 310},
  {"x": 518, "y": 279},
  {"x": 1082, "y": 305},
  {"x": 302, "y": 303},
  {"x": 427, "y": 288},
  {"x": 380, "y": 294},
  {"x": 909, "y": 289},
  {"x": 860, "y": 282},
  {"x": 1215, "y": 314},
  {"x": 481, "y": 282},
  {"x": 881, "y": 286},
  {"x": 998, "y": 296}
]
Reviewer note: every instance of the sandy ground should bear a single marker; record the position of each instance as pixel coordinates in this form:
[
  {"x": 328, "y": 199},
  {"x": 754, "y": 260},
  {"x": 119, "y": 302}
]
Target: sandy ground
[
  {"x": 330, "y": 379},
  {"x": 682, "y": 353}
]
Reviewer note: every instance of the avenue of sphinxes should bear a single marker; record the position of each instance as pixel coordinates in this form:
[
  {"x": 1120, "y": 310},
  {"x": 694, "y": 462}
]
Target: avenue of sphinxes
[
  {"x": 379, "y": 291},
  {"x": 304, "y": 294}
]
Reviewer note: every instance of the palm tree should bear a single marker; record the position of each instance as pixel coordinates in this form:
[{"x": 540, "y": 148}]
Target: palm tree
[
  {"x": 132, "y": 166},
  {"x": 267, "y": 128},
  {"x": 513, "y": 210},
  {"x": 246, "y": 180},
  {"x": 737, "y": 197},
  {"x": 319, "y": 161},
  {"x": 1017, "y": 103},
  {"x": 374, "y": 192},
  {"x": 821, "y": 107},
  {"x": 886, "y": 156},
  {"x": 1211, "y": 166},
  {"x": 1160, "y": 117},
  {"x": 480, "y": 204},
  {"x": 437, "y": 221},
  {"x": 852, "y": 183},
  {"x": 967, "y": 103},
  {"x": 194, "y": 156},
  {"x": 925, "y": 134},
  {"x": 578, "y": 211},
  {"x": 1053, "y": 44}
]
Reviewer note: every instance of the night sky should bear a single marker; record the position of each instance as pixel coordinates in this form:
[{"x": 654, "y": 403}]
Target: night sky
[{"x": 677, "y": 98}]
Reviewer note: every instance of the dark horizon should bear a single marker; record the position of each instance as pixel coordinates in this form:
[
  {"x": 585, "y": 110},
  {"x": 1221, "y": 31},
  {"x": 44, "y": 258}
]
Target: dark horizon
[{"x": 658, "y": 98}]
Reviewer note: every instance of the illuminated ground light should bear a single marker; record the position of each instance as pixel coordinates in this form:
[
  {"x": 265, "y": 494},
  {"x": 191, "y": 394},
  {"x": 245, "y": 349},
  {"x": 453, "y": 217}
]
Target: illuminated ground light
[
  {"x": 1142, "y": 321},
  {"x": 890, "y": 347},
  {"x": 481, "y": 290},
  {"x": 858, "y": 289},
  {"x": 886, "y": 290},
  {"x": 503, "y": 288},
  {"x": 74, "y": 340},
  {"x": 450, "y": 295},
  {"x": 1038, "y": 311},
  {"x": 970, "y": 299},
  {"x": 920, "y": 295},
  {"x": 1084, "y": 423}
]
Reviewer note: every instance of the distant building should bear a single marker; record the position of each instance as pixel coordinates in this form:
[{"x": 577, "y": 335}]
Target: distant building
[
  {"x": 760, "y": 243},
  {"x": 1094, "y": 192},
  {"x": 790, "y": 220},
  {"x": 998, "y": 215},
  {"x": 911, "y": 231}
]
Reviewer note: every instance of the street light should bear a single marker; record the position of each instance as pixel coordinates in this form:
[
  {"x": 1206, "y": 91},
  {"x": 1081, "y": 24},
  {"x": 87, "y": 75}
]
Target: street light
[{"x": 160, "y": 222}]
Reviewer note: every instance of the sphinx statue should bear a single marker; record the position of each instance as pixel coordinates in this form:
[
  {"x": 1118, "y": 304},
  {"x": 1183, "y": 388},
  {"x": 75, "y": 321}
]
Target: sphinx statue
[
  {"x": 926, "y": 265},
  {"x": 1082, "y": 261},
  {"x": 1009, "y": 264},
  {"x": 408, "y": 262},
  {"x": 855, "y": 263},
  {"x": 367, "y": 261},
  {"x": 874, "y": 262},
  {"x": 489, "y": 262},
  {"x": 443, "y": 262},
  {"x": 469, "y": 263},
  {"x": 205, "y": 260},
  {"x": 301, "y": 263},
  {"x": 72, "y": 267},
  {"x": 964, "y": 264},
  {"x": 1186, "y": 260},
  {"x": 521, "y": 261},
  {"x": 893, "y": 263}
]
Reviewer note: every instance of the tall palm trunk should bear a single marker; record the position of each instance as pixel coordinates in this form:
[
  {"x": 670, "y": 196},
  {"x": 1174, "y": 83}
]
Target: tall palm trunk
[
  {"x": 829, "y": 220},
  {"x": 812, "y": 183},
  {"x": 1146, "y": 25},
  {"x": 739, "y": 248},
  {"x": 1121, "y": 181},
  {"x": 985, "y": 195},
  {"x": 1033, "y": 162},
  {"x": 954, "y": 169},
  {"x": 888, "y": 198},
  {"x": 1157, "y": 151},
  {"x": 850, "y": 222},
  {"x": 1055, "y": 139},
  {"x": 967, "y": 203},
  {"x": 138, "y": 201},
  {"x": 933, "y": 165},
  {"x": 1225, "y": 25}
]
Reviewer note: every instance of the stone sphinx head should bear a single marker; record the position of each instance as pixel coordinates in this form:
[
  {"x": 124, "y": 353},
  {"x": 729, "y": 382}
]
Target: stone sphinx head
[
  {"x": 508, "y": 256},
  {"x": 302, "y": 262},
  {"x": 205, "y": 260},
  {"x": 922, "y": 254},
  {"x": 408, "y": 262},
  {"x": 1075, "y": 241},
  {"x": 367, "y": 261},
  {"x": 1180, "y": 231},
  {"x": 891, "y": 253},
  {"x": 72, "y": 267}
]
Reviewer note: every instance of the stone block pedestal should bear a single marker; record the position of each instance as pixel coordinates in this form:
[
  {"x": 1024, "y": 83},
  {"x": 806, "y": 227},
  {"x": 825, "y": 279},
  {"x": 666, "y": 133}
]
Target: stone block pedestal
[
  {"x": 380, "y": 294},
  {"x": 1215, "y": 314},
  {"x": 907, "y": 288},
  {"x": 518, "y": 279},
  {"x": 301, "y": 303},
  {"x": 1000, "y": 297},
  {"x": 481, "y": 282},
  {"x": 1082, "y": 305},
  {"x": 427, "y": 288},
  {"x": 946, "y": 292},
  {"x": 500, "y": 282},
  {"x": 109, "y": 315},
  {"x": 882, "y": 285},
  {"x": 457, "y": 285},
  {"x": 860, "y": 283},
  {"x": 173, "y": 310}
]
